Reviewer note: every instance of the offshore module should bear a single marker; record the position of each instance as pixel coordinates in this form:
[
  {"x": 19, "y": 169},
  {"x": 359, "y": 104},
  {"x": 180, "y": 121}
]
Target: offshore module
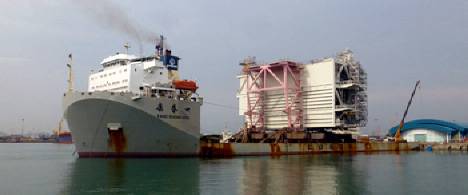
[
  {"x": 300, "y": 108},
  {"x": 324, "y": 100}
]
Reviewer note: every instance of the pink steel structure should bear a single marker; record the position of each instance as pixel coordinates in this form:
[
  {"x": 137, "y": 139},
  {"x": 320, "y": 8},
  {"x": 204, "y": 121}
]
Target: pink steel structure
[{"x": 257, "y": 83}]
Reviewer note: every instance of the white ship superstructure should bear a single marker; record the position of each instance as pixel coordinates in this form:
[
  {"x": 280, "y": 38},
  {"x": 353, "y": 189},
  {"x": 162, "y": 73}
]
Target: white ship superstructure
[
  {"x": 127, "y": 73},
  {"x": 135, "y": 106}
]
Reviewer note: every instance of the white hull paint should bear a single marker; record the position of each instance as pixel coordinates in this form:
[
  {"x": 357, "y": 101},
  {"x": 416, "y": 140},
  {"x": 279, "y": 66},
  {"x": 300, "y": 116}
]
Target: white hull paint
[{"x": 149, "y": 126}]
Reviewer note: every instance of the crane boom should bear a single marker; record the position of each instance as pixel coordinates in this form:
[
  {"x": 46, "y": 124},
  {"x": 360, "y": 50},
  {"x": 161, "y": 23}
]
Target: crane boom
[
  {"x": 402, "y": 122},
  {"x": 70, "y": 73}
]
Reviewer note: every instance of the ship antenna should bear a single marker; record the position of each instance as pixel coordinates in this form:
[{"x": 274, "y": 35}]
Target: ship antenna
[
  {"x": 126, "y": 45},
  {"x": 70, "y": 74}
]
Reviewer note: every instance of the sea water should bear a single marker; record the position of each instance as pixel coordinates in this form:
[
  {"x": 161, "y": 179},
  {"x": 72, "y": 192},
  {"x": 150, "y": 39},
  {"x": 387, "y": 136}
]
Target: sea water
[{"x": 55, "y": 169}]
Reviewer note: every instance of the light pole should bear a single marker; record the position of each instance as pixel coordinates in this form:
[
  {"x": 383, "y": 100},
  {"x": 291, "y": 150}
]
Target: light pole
[{"x": 22, "y": 127}]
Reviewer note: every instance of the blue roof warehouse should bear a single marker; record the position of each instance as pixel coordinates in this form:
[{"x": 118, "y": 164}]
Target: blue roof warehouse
[{"x": 432, "y": 130}]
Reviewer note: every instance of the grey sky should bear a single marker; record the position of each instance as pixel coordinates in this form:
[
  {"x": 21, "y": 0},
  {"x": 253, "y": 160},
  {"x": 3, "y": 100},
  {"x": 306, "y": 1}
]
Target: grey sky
[{"x": 398, "y": 42}]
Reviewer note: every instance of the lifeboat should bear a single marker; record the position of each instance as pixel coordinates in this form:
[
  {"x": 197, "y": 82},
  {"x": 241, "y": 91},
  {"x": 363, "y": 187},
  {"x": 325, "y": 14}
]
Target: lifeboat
[{"x": 185, "y": 85}]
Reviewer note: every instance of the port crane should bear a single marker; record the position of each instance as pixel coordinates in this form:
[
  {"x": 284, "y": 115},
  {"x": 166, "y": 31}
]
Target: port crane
[
  {"x": 70, "y": 73},
  {"x": 402, "y": 122}
]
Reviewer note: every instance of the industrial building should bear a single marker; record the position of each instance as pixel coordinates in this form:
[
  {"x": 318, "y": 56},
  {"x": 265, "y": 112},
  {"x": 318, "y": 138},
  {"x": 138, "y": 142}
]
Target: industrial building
[
  {"x": 329, "y": 94},
  {"x": 432, "y": 130}
]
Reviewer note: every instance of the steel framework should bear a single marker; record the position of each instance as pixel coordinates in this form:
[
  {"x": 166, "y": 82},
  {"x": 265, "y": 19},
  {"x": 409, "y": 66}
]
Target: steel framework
[{"x": 275, "y": 77}]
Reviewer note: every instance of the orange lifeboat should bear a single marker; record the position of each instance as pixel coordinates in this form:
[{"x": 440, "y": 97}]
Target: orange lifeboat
[{"x": 185, "y": 85}]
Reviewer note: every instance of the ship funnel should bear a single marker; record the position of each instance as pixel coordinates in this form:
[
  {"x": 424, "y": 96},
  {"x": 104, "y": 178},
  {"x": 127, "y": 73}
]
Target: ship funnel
[{"x": 167, "y": 52}]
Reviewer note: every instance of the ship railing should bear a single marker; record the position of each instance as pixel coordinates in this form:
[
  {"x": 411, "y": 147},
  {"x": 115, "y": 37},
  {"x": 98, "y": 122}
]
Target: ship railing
[{"x": 165, "y": 92}]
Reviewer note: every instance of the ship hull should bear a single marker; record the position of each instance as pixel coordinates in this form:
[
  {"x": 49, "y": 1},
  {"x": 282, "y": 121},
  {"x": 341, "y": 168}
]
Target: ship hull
[
  {"x": 65, "y": 138},
  {"x": 105, "y": 124},
  {"x": 276, "y": 149}
]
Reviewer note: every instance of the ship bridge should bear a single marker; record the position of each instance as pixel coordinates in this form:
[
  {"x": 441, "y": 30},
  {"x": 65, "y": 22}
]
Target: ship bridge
[
  {"x": 118, "y": 59},
  {"x": 127, "y": 73}
]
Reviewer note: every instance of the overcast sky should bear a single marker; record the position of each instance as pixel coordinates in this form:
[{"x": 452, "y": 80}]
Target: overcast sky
[{"x": 397, "y": 42}]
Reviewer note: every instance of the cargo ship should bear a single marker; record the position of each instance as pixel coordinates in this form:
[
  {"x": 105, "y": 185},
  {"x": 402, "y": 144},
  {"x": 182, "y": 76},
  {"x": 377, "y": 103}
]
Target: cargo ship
[
  {"x": 64, "y": 137},
  {"x": 135, "y": 107}
]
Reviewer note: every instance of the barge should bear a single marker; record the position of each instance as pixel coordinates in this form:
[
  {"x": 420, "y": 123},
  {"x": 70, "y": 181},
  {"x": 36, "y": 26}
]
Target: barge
[{"x": 275, "y": 149}]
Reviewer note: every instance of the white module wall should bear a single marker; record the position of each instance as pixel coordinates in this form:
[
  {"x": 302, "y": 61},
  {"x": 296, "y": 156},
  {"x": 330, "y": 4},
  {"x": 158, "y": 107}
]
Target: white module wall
[{"x": 318, "y": 94}]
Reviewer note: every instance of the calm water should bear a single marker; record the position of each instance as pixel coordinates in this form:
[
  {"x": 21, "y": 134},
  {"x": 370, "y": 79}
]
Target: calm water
[{"x": 52, "y": 169}]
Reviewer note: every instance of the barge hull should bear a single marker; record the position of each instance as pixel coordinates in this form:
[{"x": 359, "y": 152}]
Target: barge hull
[
  {"x": 265, "y": 149},
  {"x": 272, "y": 149}
]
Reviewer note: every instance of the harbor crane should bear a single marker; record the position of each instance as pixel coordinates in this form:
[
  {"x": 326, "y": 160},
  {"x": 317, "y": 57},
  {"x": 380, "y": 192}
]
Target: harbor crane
[
  {"x": 402, "y": 122},
  {"x": 70, "y": 73}
]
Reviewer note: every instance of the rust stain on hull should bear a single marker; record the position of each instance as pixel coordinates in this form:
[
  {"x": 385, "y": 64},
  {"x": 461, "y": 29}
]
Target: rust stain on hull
[
  {"x": 349, "y": 147},
  {"x": 117, "y": 141},
  {"x": 367, "y": 147},
  {"x": 276, "y": 149},
  {"x": 216, "y": 149}
]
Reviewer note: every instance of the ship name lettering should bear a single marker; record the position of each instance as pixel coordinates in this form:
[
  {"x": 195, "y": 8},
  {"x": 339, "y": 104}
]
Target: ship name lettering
[{"x": 173, "y": 116}]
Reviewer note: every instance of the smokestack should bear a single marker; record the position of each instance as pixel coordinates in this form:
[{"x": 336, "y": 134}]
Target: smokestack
[
  {"x": 157, "y": 48},
  {"x": 161, "y": 45},
  {"x": 168, "y": 52}
]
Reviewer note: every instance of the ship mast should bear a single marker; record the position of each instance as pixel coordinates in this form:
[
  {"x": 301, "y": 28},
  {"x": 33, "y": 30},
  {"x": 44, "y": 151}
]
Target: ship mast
[
  {"x": 70, "y": 74},
  {"x": 126, "y": 47}
]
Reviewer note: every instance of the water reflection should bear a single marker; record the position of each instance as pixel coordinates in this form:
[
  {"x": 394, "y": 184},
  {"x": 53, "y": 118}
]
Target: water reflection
[
  {"x": 136, "y": 176},
  {"x": 317, "y": 174},
  {"x": 49, "y": 169}
]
